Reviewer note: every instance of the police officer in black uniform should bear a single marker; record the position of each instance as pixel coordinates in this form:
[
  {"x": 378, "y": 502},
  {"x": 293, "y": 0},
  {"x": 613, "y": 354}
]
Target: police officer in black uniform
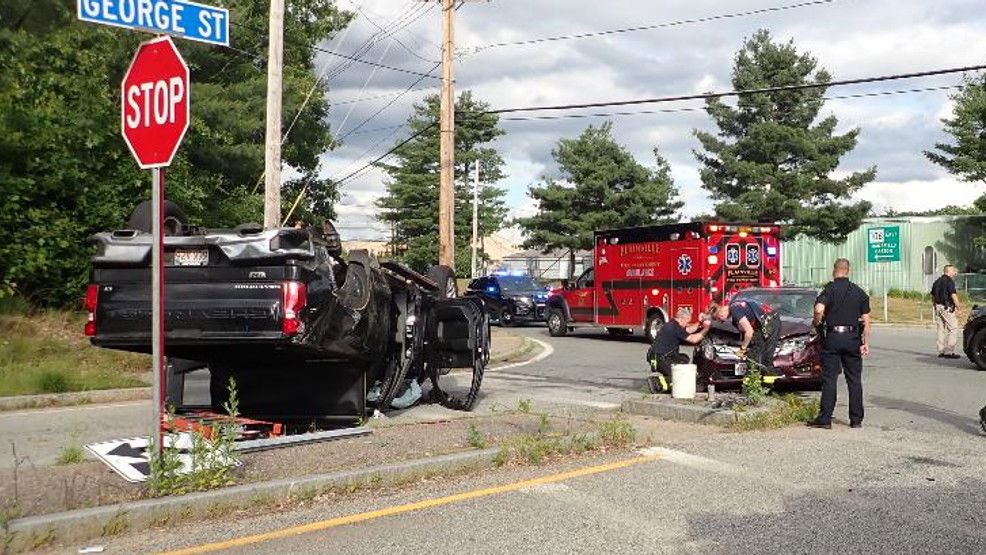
[
  {"x": 842, "y": 313},
  {"x": 665, "y": 351}
]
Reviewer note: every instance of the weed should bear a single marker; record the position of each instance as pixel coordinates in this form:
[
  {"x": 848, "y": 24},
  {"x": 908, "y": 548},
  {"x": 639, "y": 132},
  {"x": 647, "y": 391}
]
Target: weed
[
  {"x": 307, "y": 494},
  {"x": 71, "y": 454},
  {"x": 475, "y": 437},
  {"x": 544, "y": 424},
  {"x": 116, "y": 525},
  {"x": 218, "y": 510},
  {"x": 210, "y": 459},
  {"x": 43, "y": 539},
  {"x": 535, "y": 447},
  {"x": 525, "y": 405},
  {"x": 53, "y": 381},
  {"x": 583, "y": 442},
  {"x": 617, "y": 432},
  {"x": 502, "y": 456},
  {"x": 753, "y": 388},
  {"x": 789, "y": 410}
]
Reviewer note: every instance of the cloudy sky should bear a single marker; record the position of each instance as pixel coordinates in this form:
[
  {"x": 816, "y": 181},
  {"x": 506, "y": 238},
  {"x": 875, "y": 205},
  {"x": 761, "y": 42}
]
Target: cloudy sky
[{"x": 851, "y": 38}]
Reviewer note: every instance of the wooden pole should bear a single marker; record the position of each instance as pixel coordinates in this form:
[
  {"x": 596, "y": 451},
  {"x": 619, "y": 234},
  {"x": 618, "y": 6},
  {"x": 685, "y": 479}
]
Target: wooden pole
[
  {"x": 446, "y": 191},
  {"x": 272, "y": 149}
]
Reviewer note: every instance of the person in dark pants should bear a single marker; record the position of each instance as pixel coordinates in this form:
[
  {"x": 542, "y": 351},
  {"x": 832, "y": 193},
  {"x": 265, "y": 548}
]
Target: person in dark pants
[
  {"x": 665, "y": 351},
  {"x": 842, "y": 312},
  {"x": 760, "y": 327}
]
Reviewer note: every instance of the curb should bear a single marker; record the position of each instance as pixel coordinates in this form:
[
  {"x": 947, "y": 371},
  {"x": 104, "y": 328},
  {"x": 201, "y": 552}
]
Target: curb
[
  {"x": 686, "y": 413},
  {"x": 87, "y": 524},
  {"x": 19, "y": 402},
  {"x": 526, "y": 346}
]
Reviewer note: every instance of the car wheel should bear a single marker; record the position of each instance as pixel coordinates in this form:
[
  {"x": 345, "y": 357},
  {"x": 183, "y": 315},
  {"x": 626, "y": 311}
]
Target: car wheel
[
  {"x": 445, "y": 278},
  {"x": 506, "y": 319},
  {"x": 653, "y": 325},
  {"x": 557, "y": 323},
  {"x": 978, "y": 349}
]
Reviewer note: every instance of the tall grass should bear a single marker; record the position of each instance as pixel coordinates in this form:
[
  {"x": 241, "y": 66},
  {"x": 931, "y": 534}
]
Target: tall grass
[{"x": 45, "y": 352}]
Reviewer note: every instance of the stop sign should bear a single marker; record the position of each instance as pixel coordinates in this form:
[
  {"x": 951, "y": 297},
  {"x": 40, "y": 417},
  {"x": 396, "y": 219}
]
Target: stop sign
[{"x": 155, "y": 103}]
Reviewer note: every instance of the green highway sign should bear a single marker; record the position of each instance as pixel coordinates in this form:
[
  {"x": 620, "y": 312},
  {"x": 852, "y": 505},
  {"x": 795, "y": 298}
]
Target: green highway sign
[{"x": 883, "y": 244}]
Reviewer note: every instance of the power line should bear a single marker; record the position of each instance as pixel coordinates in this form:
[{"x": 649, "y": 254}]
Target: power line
[
  {"x": 712, "y": 95},
  {"x": 678, "y": 23},
  {"x": 395, "y": 39},
  {"x": 376, "y": 97},
  {"x": 702, "y": 109},
  {"x": 389, "y": 104}
]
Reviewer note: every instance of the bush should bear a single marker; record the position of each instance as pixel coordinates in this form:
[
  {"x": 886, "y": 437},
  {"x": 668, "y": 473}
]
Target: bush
[
  {"x": 753, "y": 388},
  {"x": 53, "y": 381}
]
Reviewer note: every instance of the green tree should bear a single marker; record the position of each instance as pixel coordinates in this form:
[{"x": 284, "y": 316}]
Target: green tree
[
  {"x": 770, "y": 161},
  {"x": 601, "y": 186},
  {"x": 65, "y": 171},
  {"x": 965, "y": 157},
  {"x": 411, "y": 202}
]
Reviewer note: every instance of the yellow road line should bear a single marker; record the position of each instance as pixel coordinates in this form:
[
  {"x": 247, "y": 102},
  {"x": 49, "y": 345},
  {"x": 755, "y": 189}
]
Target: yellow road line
[{"x": 408, "y": 507}]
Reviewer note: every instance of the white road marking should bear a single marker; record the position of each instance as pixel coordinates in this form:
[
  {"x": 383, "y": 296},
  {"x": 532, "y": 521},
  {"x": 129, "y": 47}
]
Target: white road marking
[
  {"x": 691, "y": 461},
  {"x": 546, "y": 351}
]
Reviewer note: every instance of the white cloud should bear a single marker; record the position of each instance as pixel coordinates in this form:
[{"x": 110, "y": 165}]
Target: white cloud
[{"x": 851, "y": 38}]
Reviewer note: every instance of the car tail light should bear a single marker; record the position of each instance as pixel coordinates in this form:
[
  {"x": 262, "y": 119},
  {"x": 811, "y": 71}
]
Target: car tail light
[
  {"x": 294, "y": 296},
  {"x": 90, "y": 303}
]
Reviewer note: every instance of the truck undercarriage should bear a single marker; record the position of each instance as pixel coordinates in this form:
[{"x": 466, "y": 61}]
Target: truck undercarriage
[{"x": 305, "y": 330}]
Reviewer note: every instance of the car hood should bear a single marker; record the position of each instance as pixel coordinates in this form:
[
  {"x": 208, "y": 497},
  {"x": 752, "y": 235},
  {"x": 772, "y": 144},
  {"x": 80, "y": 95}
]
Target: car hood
[
  {"x": 791, "y": 326},
  {"x": 532, "y": 293}
]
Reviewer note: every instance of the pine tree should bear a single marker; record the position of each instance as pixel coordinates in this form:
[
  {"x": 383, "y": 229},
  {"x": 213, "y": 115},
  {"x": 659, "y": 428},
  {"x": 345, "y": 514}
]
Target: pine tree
[
  {"x": 411, "y": 202},
  {"x": 770, "y": 161},
  {"x": 966, "y": 158},
  {"x": 601, "y": 186}
]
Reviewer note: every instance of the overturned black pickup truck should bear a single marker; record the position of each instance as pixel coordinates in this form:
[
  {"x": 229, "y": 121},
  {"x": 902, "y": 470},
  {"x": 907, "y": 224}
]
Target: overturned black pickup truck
[{"x": 306, "y": 331}]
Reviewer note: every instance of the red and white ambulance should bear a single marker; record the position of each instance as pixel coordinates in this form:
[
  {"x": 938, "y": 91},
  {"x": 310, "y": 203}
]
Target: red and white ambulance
[{"x": 641, "y": 276}]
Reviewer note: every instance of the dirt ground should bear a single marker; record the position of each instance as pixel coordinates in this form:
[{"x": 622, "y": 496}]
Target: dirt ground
[{"x": 27, "y": 490}]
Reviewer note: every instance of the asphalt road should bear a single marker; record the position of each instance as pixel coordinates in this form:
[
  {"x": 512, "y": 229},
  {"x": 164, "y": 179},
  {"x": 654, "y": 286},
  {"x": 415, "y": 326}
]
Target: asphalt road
[{"x": 909, "y": 482}]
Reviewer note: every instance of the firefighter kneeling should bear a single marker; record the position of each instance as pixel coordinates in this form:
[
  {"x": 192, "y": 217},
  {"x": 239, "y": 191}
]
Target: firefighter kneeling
[{"x": 664, "y": 352}]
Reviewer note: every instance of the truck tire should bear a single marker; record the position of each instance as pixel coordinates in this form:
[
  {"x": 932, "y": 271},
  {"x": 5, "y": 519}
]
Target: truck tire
[
  {"x": 445, "y": 278},
  {"x": 218, "y": 387},
  {"x": 653, "y": 325},
  {"x": 174, "y": 218},
  {"x": 977, "y": 349},
  {"x": 557, "y": 323}
]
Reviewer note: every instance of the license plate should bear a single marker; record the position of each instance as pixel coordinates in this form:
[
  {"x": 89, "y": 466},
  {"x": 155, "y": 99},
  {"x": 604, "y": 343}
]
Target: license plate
[
  {"x": 191, "y": 257},
  {"x": 740, "y": 369}
]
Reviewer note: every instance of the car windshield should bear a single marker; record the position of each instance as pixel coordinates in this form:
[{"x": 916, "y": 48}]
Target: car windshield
[
  {"x": 799, "y": 304},
  {"x": 515, "y": 284}
]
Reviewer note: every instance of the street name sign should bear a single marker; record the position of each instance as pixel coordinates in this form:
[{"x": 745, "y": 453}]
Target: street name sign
[
  {"x": 180, "y": 18},
  {"x": 883, "y": 244},
  {"x": 155, "y": 103}
]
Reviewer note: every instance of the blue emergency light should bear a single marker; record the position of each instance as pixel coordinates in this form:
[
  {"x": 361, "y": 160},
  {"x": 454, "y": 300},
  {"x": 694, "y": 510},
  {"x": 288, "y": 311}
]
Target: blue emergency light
[{"x": 771, "y": 251}]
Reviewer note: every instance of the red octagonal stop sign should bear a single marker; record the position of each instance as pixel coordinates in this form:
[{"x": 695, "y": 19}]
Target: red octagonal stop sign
[{"x": 155, "y": 103}]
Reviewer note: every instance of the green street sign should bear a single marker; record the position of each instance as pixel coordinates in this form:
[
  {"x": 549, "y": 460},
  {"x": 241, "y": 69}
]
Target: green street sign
[{"x": 883, "y": 244}]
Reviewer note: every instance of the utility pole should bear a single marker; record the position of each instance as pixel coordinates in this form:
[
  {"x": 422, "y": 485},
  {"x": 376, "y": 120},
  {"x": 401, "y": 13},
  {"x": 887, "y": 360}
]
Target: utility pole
[
  {"x": 272, "y": 149},
  {"x": 446, "y": 191},
  {"x": 475, "y": 218}
]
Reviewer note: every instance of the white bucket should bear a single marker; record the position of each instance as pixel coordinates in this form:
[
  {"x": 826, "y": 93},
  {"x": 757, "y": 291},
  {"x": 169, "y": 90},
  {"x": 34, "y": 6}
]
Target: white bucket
[{"x": 683, "y": 378}]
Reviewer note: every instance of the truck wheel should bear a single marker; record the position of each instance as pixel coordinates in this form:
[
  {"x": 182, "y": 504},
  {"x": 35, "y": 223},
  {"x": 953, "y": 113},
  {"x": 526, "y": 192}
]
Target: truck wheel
[
  {"x": 653, "y": 325},
  {"x": 977, "y": 349},
  {"x": 557, "y": 323},
  {"x": 445, "y": 278},
  {"x": 174, "y": 218}
]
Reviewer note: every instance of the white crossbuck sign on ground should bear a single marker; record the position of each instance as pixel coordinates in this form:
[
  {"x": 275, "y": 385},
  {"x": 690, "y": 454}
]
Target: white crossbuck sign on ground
[{"x": 129, "y": 457}]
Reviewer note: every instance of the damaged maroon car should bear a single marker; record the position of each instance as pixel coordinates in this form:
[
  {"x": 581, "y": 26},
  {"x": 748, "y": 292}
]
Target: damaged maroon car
[{"x": 798, "y": 357}]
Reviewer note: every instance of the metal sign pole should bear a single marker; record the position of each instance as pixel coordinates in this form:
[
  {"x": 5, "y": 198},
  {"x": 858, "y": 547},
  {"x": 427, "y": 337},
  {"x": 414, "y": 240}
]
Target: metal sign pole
[{"x": 157, "y": 302}]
